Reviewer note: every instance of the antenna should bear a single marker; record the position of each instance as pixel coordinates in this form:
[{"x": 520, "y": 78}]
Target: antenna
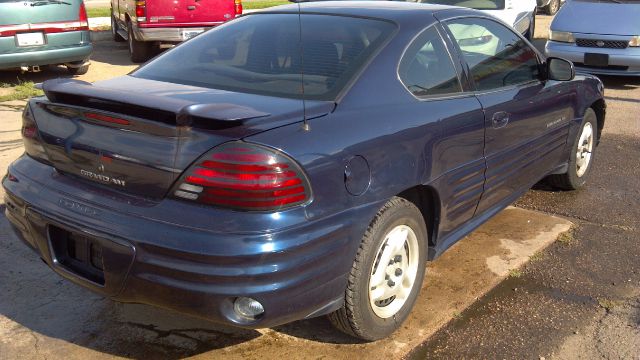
[{"x": 305, "y": 123}]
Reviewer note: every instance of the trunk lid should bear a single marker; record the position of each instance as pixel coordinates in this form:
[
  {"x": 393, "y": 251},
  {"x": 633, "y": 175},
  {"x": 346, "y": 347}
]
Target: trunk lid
[
  {"x": 139, "y": 135},
  {"x": 190, "y": 11},
  {"x": 38, "y": 11}
]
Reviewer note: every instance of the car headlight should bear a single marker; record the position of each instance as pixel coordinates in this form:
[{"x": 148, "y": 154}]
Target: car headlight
[
  {"x": 635, "y": 41},
  {"x": 562, "y": 36}
]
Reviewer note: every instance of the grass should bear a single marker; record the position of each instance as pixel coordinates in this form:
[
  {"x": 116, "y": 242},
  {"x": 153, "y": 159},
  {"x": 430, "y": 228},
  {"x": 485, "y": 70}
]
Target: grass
[
  {"x": 261, "y": 4},
  {"x": 607, "y": 304},
  {"x": 21, "y": 91},
  {"x": 566, "y": 237},
  {"x": 515, "y": 273},
  {"x": 536, "y": 257},
  {"x": 99, "y": 12},
  {"x": 247, "y": 4}
]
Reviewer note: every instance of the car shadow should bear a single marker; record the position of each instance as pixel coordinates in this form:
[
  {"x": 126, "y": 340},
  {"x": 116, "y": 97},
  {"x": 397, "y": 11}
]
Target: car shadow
[
  {"x": 620, "y": 82},
  {"x": 15, "y": 77}
]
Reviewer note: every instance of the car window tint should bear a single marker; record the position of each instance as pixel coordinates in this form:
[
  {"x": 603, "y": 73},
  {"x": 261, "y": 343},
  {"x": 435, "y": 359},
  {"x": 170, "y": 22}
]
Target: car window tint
[
  {"x": 426, "y": 67},
  {"x": 497, "y": 57},
  {"x": 263, "y": 54},
  {"x": 474, "y": 4}
]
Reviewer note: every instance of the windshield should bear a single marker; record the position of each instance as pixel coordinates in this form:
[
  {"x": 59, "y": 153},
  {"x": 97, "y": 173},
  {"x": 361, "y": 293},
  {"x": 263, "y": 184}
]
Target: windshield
[
  {"x": 474, "y": 4},
  {"x": 261, "y": 54}
]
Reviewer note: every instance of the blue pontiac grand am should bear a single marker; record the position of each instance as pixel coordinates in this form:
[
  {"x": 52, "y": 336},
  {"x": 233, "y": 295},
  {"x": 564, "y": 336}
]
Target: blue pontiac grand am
[{"x": 298, "y": 162}]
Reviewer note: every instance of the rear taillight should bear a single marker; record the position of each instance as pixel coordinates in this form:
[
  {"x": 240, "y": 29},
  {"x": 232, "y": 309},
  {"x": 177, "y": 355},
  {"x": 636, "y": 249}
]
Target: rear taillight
[
  {"x": 141, "y": 10},
  {"x": 244, "y": 176},
  {"x": 238, "y": 6},
  {"x": 32, "y": 143},
  {"x": 82, "y": 16}
]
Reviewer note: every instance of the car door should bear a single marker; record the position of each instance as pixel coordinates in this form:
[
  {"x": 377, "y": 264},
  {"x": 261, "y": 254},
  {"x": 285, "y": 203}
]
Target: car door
[
  {"x": 526, "y": 121},
  {"x": 429, "y": 73}
]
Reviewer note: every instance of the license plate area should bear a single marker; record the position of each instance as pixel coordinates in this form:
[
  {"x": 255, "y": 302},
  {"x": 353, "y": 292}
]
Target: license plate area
[
  {"x": 593, "y": 59},
  {"x": 188, "y": 34},
  {"x": 30, "y": 39},
  {"x": 78, "y": 254}
]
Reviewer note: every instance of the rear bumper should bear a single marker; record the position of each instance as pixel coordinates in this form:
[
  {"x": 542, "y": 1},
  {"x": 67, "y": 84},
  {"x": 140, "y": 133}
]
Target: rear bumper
[
  {"x": 166, "y": 34},
  {"x": 61, "y": 48},
  {"x": 297, "y": 272},
  {"x": 625, "y": 62}
]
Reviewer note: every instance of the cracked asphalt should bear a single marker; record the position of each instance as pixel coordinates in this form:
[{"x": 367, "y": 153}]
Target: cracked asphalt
[{"x": 579, "y": 298}]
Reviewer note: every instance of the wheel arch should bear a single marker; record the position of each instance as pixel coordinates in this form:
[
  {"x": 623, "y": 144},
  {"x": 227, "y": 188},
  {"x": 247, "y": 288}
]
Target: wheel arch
[
  {"x": 599, "y": 107},
  {"x": 427, "y": 200}
]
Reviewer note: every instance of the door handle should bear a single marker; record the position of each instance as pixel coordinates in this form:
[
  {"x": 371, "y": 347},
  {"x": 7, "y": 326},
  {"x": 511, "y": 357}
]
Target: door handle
[{"x": 500, "y": 119}]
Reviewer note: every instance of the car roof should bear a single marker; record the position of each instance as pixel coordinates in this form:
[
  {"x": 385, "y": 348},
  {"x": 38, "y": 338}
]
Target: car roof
[{"x": 389, "y": 10}]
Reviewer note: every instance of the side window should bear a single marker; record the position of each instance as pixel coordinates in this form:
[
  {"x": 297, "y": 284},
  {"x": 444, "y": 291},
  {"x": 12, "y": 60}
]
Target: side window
[
  {"x": 496, "y": 56},
  {"x": 426, "y": 67}
]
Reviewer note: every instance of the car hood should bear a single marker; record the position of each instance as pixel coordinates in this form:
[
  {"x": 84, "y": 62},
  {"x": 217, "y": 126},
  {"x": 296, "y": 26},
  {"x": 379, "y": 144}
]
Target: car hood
[{"x": 606, "y": 18}]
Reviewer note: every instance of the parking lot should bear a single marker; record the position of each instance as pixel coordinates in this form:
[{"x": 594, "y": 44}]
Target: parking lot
[{"x": 583, "y": 289}]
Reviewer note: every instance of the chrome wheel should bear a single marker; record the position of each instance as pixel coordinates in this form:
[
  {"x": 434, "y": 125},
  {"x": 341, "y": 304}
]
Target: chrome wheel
[
  {"x": 584, "y": 149},
  {"x": 393, "y": 274}
]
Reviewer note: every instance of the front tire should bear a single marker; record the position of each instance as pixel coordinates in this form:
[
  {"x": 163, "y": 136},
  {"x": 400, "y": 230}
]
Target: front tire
[
  {"x": 552, "y": 7},
  {"x": 114, "y": 29},
  {"x": 387, "y": 274},
  {"x": 582, "y": 154}
]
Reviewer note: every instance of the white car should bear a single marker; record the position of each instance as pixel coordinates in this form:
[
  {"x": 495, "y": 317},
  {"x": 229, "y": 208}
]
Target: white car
[{"x": 520, "y": 14}]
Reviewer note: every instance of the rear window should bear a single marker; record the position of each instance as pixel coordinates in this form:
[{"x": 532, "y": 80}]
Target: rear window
[{"x": 263, "y": 54}]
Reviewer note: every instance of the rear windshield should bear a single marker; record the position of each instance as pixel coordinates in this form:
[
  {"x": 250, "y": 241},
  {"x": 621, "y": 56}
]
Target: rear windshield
[
  {"x": 474, "y": 4},
  {"x": 262, "y": 54}
]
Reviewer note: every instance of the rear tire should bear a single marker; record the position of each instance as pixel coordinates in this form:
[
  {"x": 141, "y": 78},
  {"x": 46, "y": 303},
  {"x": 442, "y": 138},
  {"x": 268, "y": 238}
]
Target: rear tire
[
  {"x": 552, "y": 7},
  {"x": 140, "y": 51},
  {"x": 78, "y": 70},
  {"x": 582, "y": 153},
  {"x": 387, "y": 274},
  {"x": 114, "y": 29}
]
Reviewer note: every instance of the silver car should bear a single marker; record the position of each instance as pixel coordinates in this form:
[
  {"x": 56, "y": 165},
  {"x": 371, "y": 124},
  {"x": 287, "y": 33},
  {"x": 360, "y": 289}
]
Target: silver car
[{"x": 599, "y": 36}]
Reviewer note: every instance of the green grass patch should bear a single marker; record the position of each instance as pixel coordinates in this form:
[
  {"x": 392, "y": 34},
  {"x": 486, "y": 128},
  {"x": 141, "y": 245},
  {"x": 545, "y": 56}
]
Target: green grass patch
[
  {"x": 515, "y": 273},
  {"x": 261, "y": 4},
  {"x": 99, "y": 12},
  {"x": 21, "y": 91},
  {"x": 566, "y": 237},
  {"x": 607, "y": 304},
  {"x": 536, "y": 257}
]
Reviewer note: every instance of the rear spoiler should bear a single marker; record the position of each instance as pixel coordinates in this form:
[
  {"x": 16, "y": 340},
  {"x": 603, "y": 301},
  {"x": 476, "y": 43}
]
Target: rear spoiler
[{"x": 179, "y": 112}]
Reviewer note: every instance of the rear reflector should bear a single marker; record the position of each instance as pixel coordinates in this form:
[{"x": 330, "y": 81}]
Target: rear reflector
[{"x": 245, "y": 176}]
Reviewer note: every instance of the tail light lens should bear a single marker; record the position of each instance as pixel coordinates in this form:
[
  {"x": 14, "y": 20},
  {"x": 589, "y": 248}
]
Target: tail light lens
[
  {"x": 82, "y": 16},
  {"x": 30, "y": 136},
  {"x": 141, "y": 10},
  {"x": 239, "y": 9},
  {"x": 244, "y": 176}
]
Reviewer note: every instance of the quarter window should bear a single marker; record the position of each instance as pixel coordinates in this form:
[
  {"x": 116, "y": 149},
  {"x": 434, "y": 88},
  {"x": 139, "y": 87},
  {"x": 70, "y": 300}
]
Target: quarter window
[
  {"x": 426, "y": 67},
  {"x": 497, "y": 57}
]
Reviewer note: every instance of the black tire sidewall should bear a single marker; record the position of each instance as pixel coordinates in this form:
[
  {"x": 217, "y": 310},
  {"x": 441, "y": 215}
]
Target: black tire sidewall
[{"x": 372, "y": 326}]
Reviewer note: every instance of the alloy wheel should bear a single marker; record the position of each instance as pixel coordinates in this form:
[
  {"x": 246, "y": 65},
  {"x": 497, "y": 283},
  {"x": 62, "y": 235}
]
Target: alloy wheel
[{"x": 393, "y": 274}]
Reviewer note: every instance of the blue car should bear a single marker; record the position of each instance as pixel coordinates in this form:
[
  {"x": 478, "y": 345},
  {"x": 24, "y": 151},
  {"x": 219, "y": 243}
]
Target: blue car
[{"x": 303, "y": 161}]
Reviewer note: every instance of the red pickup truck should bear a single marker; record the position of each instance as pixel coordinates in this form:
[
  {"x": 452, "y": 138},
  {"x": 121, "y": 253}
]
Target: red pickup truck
[{"x": 150, "y": 24}]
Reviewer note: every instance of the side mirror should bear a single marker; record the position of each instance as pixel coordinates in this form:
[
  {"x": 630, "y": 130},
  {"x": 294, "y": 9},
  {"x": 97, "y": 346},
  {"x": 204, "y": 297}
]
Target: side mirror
[{"x": 560, "y": 69}]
